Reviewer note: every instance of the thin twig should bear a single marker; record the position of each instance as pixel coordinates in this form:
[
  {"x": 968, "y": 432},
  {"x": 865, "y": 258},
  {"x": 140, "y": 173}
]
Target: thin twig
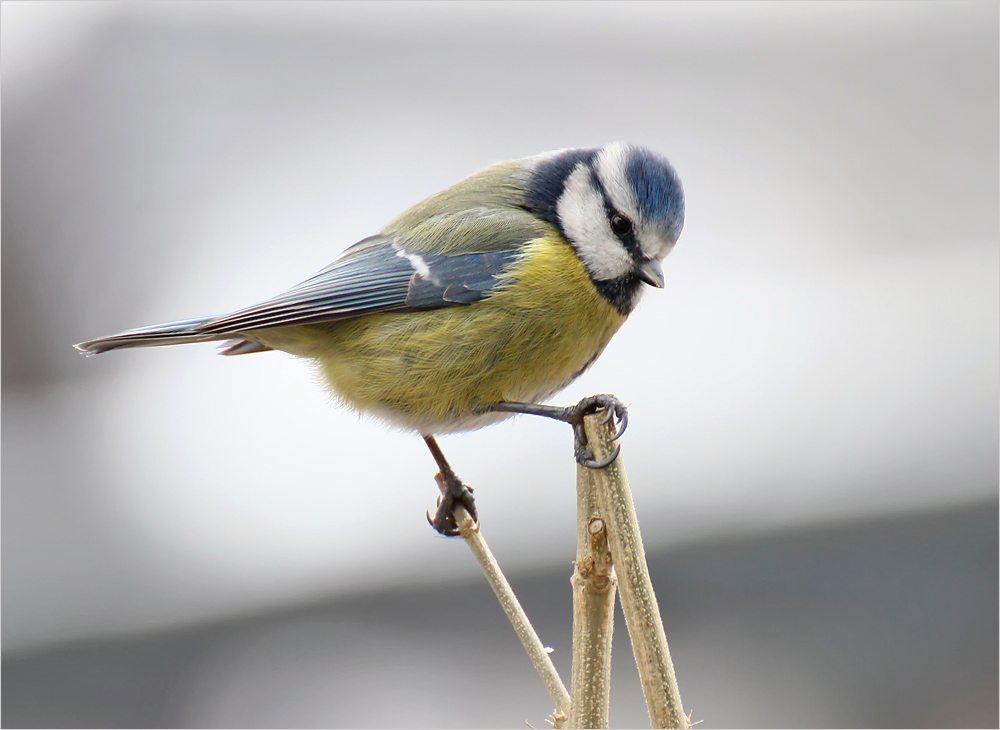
[
  {"x": 642, "y": 615},
  {"x": 522, "y": 626},
  {"x": 594, "y": 589}
]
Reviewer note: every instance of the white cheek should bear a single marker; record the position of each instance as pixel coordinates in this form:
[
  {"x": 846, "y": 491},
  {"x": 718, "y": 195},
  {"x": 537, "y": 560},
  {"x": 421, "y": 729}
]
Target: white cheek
[{"x": 581, "y": 212}]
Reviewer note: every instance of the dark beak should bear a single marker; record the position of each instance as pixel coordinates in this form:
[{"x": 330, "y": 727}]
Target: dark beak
[{"x": 650, "y": 272}]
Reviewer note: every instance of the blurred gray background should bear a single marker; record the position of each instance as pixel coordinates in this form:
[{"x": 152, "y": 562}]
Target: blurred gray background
[{"x": 191, "y": 540}]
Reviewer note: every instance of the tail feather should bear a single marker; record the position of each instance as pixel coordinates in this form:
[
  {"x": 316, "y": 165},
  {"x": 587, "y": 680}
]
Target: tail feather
[{"x": 172, "y": 333}]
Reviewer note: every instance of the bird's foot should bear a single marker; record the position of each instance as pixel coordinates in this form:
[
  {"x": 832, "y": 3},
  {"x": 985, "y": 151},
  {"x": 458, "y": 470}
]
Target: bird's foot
[
  {"x": 454, "y": 493},
  {"x": 574, "y": 415}
]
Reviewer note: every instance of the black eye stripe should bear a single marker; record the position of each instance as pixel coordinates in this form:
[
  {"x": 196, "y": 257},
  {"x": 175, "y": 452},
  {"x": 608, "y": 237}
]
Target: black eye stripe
[{"x": 627, "y": 232}]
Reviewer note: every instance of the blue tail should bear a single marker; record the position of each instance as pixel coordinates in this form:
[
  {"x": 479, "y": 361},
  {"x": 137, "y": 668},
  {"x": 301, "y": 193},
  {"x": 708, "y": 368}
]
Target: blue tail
[{"x": 172, "y": 333}]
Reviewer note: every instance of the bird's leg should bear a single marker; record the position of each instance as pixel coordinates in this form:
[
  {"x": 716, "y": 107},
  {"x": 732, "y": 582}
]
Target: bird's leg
[
  {"x": 454, "y": 493},
  {"x": 574, "y": 415}
]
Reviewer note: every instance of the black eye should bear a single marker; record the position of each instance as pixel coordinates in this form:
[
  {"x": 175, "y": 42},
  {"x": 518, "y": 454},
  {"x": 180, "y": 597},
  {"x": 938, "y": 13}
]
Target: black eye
[{"x": 620, "y": 225}]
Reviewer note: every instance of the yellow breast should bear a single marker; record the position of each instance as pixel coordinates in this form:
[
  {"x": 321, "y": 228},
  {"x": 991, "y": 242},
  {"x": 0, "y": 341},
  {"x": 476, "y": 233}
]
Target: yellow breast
[{"x": 436, "y": 371}]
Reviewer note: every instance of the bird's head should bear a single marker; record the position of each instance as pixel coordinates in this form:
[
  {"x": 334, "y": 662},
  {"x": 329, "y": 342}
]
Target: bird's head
[{"x": 621, "y": 206}]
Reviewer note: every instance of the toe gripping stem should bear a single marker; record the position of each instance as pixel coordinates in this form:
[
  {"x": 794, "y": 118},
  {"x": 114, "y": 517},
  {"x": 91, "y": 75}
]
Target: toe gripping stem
[
  {"x": 454, "y": 493},
  {"x": 574, "y": 415}
]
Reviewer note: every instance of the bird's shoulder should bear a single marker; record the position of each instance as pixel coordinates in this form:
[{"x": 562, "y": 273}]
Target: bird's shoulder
[
  {"x": 485, "y": 212},
  {"x": 452, "y": 249}
]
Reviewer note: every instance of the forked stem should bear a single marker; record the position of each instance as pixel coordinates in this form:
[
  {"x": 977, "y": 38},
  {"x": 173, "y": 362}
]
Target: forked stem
[
  {"x": 607, "y": 530},
  {"x": 642, "y": 615}
]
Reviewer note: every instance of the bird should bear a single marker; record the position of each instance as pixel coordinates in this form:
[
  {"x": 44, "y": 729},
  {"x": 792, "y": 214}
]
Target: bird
[{"x": 477, "y": 303}]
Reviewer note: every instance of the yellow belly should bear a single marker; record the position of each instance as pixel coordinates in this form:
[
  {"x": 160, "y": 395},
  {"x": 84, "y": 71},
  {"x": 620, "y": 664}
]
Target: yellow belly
[{"x": 438, "y": 370}]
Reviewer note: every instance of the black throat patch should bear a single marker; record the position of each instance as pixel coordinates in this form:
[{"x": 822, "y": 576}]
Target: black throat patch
[{"x": 620, "y": 292}]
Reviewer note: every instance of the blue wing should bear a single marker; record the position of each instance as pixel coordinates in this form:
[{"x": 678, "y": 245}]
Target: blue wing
[{"x": 375, "y": 275}]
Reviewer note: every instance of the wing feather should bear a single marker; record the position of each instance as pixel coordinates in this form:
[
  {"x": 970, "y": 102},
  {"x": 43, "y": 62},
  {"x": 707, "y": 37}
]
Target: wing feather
[
  {"x": 375, "y": 275},
  {"x": 473, "y": 247}
]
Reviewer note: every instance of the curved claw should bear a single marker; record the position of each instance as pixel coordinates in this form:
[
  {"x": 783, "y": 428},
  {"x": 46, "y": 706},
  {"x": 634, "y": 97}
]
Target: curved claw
[
  {"x": 613, "y": 408},
  {"x": 621, "y": 413},
  {"x": 592, "y": 463},
  {"x": 445, "y": 531}
]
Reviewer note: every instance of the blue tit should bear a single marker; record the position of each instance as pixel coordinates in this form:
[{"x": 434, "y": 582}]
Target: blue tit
[{"x": 477, "y": 303}]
